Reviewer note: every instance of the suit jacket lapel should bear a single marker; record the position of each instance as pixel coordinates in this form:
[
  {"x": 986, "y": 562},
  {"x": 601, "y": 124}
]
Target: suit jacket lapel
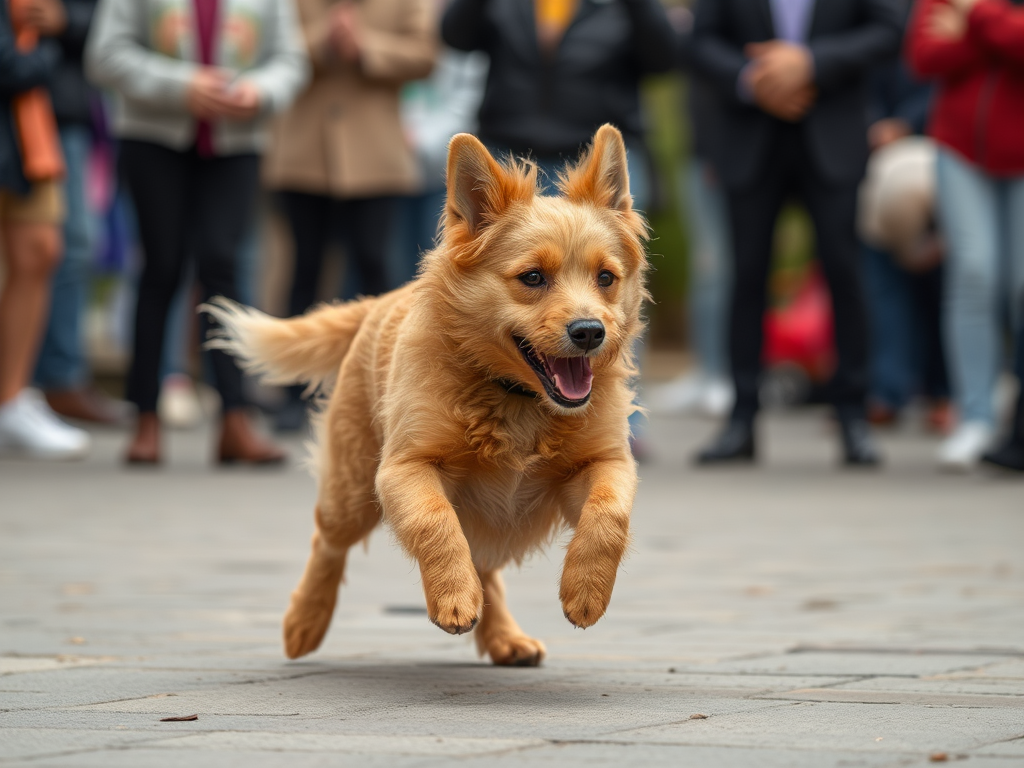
[
  {"x": 764, "y": 11},
  {"x": 812, "y": 22}
]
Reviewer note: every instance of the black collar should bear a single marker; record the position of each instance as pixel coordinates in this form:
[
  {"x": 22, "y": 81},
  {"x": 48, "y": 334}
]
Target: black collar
[{"x": 513, "y": 388}]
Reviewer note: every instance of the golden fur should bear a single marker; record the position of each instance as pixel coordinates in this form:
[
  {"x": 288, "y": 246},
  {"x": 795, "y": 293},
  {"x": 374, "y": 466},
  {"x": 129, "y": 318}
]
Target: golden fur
[{"x": 420, "y": 429}]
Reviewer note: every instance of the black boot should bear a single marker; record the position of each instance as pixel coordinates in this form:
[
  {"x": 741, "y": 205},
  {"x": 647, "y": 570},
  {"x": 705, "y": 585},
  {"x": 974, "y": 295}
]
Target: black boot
[
  {"x": 858, "y": 446},
  {"x": 735, "y": 444},
  {"x": 1010, "y": 455}
]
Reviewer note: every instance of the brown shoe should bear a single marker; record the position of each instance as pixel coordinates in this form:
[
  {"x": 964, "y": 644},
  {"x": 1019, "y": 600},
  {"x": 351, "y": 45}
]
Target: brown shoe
[
  {"x": 145, "y": 446},
  {"x": 882, "y": 415},
  {"x": 85, "y": 405},
  {"x": 941, "y": 417},
  {"x": 239, "y": 442}
]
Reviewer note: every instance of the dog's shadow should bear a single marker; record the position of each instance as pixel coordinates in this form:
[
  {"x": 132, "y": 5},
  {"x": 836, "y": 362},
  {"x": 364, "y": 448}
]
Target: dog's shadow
[{"x": 406, "y": 683}]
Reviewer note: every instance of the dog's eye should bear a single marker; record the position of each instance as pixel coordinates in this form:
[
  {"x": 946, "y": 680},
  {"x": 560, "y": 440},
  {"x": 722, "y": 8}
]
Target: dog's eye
[
  {"x": 605, "y": 279},
  {"x": 533, "y": 278}
]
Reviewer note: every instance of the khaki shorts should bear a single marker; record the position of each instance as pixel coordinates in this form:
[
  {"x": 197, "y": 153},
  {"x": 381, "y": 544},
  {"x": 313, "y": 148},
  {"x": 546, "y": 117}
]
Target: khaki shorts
[{"x": 44, "y": 204}]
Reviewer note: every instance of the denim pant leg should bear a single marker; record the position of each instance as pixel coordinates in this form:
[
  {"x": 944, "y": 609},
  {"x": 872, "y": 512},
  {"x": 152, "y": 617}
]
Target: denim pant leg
[
  {"x": 891, "y": 321},
  {"x": 62, "y": 360},
  {"x": 1013, "y": 201},
  {"x": 710, "y": 268},
  {"x": 968, "y": 202}
]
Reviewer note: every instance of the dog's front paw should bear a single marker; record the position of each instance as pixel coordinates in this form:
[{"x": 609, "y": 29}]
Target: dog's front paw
[
  {"x": 305, "y": 624},
  {"x": 454, "y": 604},
  {"x": 585, "y": 597},
  {"x": 516, "y": 651}
]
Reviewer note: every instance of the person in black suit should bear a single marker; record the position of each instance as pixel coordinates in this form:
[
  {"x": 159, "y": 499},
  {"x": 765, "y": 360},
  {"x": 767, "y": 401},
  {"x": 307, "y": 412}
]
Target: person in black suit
[{"x": 790, "y": 77}]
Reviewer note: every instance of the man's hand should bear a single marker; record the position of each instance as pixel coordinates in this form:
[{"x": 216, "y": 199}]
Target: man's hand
[
  {"x": 791, "y": 107},
  {"x": 48, "y": 17},
  {"x": 346, "y": 33},
  {"x": 781, "y": 79},
  {"x": 888, "y": 130},
  {"x": 947, "y": 22}
]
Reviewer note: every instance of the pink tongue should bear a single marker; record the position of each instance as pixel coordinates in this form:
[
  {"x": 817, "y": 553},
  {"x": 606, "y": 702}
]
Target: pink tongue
[{"x": 572, "y": 376}]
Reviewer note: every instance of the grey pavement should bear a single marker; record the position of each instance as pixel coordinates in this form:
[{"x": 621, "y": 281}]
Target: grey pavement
[{"x": 792, "y": 614}]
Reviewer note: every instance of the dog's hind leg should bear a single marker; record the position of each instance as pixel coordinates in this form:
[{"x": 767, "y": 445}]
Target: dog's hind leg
[
  {"x": 346, "y": 513},
  {"x": 497, "y": 634}
]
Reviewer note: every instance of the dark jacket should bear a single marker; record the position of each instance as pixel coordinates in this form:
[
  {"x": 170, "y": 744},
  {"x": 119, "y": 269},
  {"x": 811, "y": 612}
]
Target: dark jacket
[
  {"x": 846, "y": 38},
  {"x": 18, "y": 72},
  {"x": 552, "y": 106},
  {"x": 702, "y": 107},
  {"x": 70, "y": 92},
  {"x": 895, "y": 92}
]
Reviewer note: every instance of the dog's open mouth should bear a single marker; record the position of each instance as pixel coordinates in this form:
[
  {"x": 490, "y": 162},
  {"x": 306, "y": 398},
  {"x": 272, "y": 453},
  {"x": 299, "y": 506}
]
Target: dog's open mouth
[{"x": 566, "y": 380}]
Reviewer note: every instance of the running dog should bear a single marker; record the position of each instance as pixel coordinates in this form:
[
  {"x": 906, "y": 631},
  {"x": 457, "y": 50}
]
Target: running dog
[{"x": 482, "y": 408}]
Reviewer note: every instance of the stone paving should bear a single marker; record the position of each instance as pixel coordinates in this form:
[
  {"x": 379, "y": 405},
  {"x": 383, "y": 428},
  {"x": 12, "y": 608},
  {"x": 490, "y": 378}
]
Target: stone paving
[{"x": 788, "y": 615}]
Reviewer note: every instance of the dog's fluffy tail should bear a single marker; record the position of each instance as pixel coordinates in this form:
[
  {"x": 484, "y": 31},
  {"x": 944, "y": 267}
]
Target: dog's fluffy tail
[{"x": 307, "y": 349}]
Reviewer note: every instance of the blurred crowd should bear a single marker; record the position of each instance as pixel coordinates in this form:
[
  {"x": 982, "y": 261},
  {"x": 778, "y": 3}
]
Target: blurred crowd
[{"x": 156, "y": 153}]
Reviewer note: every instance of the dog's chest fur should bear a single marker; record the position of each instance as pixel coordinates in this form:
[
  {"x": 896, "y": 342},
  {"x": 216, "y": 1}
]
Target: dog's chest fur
[{"x": 506, "y": 483}]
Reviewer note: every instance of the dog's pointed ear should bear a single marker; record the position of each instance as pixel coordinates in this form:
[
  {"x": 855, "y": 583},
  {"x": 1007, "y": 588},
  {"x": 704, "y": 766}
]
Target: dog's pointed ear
[
  {"x": 602, "y": 176},
  {"x": 479, "y": 189}
]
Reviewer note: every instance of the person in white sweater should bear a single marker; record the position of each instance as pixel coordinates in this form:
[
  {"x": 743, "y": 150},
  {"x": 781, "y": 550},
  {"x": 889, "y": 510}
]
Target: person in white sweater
[{"x": 195, "y": 80}]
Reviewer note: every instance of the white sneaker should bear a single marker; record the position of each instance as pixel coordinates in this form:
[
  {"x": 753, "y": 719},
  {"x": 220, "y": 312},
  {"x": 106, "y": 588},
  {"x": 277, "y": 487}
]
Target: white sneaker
[
  {"x": 717, "y": 398},
  {"x": 961, "y": 451},
  {"x": 29, "y": 428},
  {"x": 681, "y": 395}
]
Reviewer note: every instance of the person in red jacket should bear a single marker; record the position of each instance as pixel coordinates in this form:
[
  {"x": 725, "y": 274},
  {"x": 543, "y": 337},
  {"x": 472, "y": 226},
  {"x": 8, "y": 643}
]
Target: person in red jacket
[{"x": 975, "y": 49}]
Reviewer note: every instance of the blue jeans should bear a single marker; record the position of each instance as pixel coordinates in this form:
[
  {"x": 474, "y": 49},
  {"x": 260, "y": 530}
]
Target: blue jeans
[
  {"x": 904, "y": 313},
  {"x": 415, "y": 227},
  {"x": 983, "y": 221},
  {"x": 710, "y": 268},
  {"x": 62, "y": 362}
]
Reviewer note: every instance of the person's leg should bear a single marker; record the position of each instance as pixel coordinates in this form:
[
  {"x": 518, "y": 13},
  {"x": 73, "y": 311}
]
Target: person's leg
[
  {"x": 967, "y": 200},
  {"x": 753, "y": 212},
  {"x": 223, "y": 200},
  {"x": 752, "y": 216},
  {"x": 968, "y": 208},
  {"x": 1010, "y": 453},
  {"x": 308, "y": 218},
  {"x": 31, "y": 252},
  {"x": 365, "y": 226},
  {"x": 890, "y": 314},
  {"x": 62, "y": 363},
  {"x": 833, "y": 211},
  {"x": 403, "y": 245},
  {"x": 933, "y": 376},
  {"x": 1013, "y": 213},
  {"x": 157, "y": 179},
  {"x": 710, "y": 267}
]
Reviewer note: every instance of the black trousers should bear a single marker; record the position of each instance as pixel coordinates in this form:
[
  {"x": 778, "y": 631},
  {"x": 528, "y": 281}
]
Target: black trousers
[
  {"x": 363, "y": 225},
  {"x": 753, "y": 212},
  {"x": 187, "y": 206}
]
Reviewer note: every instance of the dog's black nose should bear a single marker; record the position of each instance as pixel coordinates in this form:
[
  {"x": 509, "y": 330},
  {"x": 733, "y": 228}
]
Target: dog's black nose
[{"x": 586, "y": 334}]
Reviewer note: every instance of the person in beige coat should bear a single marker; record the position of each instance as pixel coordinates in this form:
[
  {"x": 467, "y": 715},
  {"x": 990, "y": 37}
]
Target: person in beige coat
[{"x": 339, "y": 155}]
